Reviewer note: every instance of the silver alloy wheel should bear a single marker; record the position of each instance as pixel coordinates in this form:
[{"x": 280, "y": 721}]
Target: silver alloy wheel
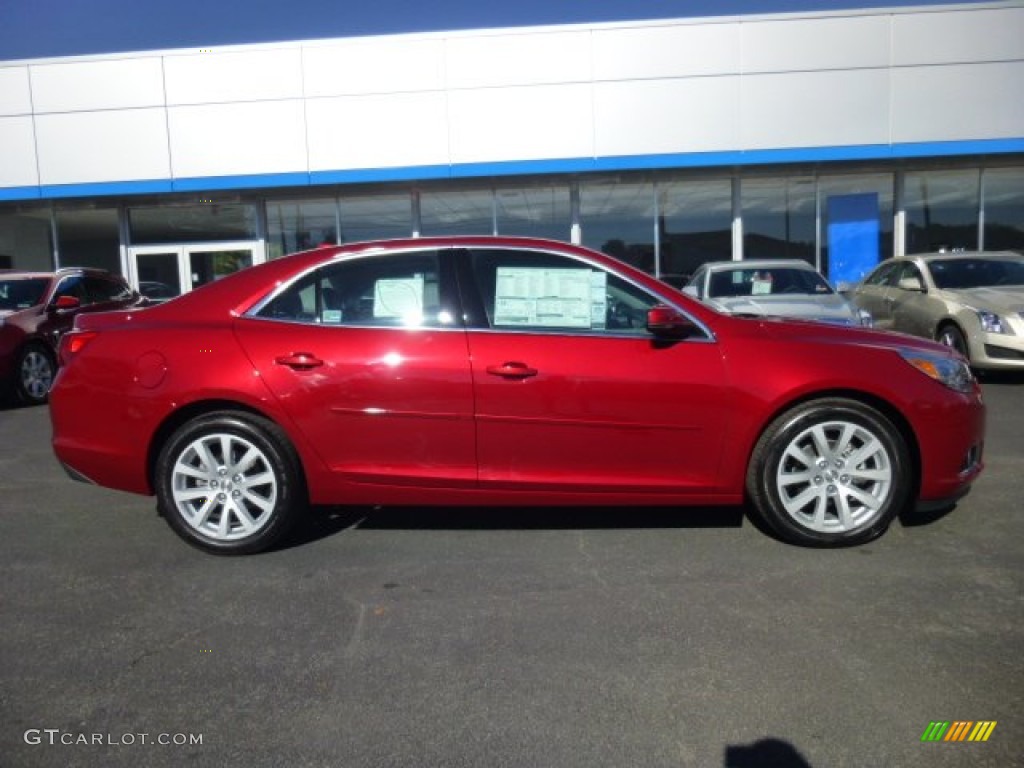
[
  {"x": 224, "y": 486},
  {"x": 951, "y": 337},
  {"x": 36, "y": 374},
  {"x": 835, "y": 477}
]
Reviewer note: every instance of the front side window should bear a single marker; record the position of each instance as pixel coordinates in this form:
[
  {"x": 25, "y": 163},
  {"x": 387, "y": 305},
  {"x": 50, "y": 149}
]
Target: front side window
[
  {"x": 388, "y": 290},
  {"x": 535, "y": 291}
]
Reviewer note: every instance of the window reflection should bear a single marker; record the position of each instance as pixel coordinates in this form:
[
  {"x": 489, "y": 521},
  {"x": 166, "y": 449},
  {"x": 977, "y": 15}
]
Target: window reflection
[
  {"x": 535, "y": 211},
  {"x": 694, "y": 225},
  {"x": 375, "y": 217},
  {"x": 617, "y": 218},
  {"x": 457, "y": 212},
  {"x": 1004, "y": 209},
  {"x": 779, "y": 218},
  {"x": 298, "y": 225},
  {"x": 941, "y": 210},
  {"x": 89, "y": 238}
]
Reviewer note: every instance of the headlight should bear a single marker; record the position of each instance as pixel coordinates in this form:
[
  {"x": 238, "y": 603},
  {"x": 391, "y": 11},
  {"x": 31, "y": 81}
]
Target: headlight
[
  {"x": 954, "y": 372},
  {"x": 991, "y": 322}
]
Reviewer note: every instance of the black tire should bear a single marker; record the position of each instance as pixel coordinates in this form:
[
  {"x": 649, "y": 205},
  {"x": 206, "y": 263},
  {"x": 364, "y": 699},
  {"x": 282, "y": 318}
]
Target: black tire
[
  {"x": 953, "y": 337},
  {"x": 229, "y": 483},
  {"x": 830, "y": 472},
  {"x": 34, "y": 370}
]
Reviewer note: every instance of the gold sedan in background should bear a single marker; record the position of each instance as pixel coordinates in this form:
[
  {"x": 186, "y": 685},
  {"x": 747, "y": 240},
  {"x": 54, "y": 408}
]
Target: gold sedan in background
[{"x": 971, "y": 301}]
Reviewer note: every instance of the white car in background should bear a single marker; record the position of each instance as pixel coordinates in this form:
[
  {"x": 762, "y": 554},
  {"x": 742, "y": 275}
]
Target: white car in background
[{"x": 776, "y": 287}]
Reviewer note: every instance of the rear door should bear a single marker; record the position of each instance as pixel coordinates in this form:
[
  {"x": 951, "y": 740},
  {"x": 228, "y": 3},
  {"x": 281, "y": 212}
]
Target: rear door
[
  {"x": 369, "y": 359},
  {"x": 573, "y": 394}
]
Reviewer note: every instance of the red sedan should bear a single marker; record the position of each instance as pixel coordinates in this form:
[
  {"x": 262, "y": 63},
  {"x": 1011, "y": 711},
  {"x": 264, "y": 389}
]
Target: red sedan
[{"x": 502, "y": 371}]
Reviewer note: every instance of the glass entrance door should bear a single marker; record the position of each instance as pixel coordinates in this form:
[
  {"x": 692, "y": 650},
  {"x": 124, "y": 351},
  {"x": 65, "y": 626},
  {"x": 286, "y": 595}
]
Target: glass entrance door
[{"x": 163, "y": 272}]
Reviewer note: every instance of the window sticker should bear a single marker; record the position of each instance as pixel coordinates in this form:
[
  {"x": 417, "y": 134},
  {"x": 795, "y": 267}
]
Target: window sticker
[
  {"x": 761, "y": 283},
  {"x": 549, "y": 298},
  {"x": 399, "y": 298},
  {"x": 332, "y": 315}
]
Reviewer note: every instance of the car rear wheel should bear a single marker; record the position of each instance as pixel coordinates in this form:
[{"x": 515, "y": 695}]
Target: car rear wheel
[
  {"x": 35, "y": 370},
  {"x": 953, "y": 337},
  {"x": 229, "y": 483},
  {"x": 830, "y": 472}
]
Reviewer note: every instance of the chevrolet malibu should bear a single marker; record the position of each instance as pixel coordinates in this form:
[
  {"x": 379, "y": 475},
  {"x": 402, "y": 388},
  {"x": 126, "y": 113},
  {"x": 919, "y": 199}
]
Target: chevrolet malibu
[{"x": 492, "y": 371}]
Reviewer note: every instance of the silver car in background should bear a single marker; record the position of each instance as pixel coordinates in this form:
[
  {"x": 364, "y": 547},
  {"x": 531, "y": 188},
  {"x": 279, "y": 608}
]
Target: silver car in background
[
  {"x": 784, "y": 288},
  {"x": 971, "y": 301}
]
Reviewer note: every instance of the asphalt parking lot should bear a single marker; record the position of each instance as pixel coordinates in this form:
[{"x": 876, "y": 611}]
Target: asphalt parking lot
[{"x": 505, "y": 638}]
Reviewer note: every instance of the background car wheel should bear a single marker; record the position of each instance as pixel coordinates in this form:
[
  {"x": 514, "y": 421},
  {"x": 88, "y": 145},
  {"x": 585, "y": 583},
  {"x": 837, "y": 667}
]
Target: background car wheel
[
  {"x": 830, "y": 472},
  {"x": 34, "y": 372},
  {"x": 953, "y": 337},
  {"x": 229, "y": 483}
]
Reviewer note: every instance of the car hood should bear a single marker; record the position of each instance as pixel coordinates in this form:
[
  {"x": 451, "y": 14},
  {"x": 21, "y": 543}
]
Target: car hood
[
  {"x": 829, "y": 308},
  {"x": 999, "y": 300}
]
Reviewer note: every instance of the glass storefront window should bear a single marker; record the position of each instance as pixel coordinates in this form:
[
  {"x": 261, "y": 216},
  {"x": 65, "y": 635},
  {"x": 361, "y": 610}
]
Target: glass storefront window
[
  {"x": 457, "y": 212},
  {"x": 941, "y": 210},
  {"x": 617, "y": 218},
  {"x": 694, "y": 225},
  {"x": 857, "y": 225},
  {"x": 1004, "y": 209},
  {"x": 192, "y": 223},
  {"x": 89, "y": 238},
  {"x": 779, "y": 218},
  {"x": 298, "y": 225},
  {"x": 26, "y": 239},
  {"x": 374, "y": 217},
  {"x": 544, "y": 210}
]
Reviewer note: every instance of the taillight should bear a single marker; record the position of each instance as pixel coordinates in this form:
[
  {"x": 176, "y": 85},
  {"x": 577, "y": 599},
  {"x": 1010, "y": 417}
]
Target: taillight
[{"x": 74, "y": 342}]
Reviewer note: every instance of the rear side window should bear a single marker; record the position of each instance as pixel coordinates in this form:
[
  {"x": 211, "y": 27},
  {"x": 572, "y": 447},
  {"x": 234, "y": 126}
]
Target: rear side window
[
  {"x": 102, "y": 289},
  {"x": 537, "y": 291},
  {"x": 389, "y": 290}
]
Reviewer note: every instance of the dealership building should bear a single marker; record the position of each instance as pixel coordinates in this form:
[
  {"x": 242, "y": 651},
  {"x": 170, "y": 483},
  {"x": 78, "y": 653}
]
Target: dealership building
[{"x": 840, "y": 137}]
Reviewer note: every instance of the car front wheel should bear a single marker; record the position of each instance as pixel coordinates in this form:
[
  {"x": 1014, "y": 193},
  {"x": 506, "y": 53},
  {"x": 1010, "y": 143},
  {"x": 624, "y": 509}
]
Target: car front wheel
[
  {"x": 35, "y": 370},
  {"x": 952, "y": 337},
  {"x": 229, "y": 483},
  {"x": 830, "y": 472}
]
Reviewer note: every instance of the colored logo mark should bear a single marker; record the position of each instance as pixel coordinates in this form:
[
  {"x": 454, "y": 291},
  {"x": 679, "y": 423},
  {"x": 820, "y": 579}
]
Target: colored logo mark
[{"x": 958, "y": 730}]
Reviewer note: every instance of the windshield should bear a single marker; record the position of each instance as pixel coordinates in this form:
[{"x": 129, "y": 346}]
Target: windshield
[
  {"x": 22, "y": 293},
  {"x": 977, "y": 273},
  {"x": 767, "y": 281}
]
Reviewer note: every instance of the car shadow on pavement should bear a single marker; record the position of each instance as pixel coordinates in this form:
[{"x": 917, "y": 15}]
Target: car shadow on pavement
[{"x": 325, "y": 521}]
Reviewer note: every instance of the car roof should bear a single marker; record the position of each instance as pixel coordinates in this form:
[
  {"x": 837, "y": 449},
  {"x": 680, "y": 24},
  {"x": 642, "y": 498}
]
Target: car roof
[
  {"x": 760, "y": 264},
  {"x": 954, "y": 255}
]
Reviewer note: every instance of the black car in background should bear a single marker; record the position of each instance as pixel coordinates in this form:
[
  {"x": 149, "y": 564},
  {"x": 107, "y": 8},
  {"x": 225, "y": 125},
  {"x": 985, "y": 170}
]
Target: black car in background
[{"x": 36, "y": 309}]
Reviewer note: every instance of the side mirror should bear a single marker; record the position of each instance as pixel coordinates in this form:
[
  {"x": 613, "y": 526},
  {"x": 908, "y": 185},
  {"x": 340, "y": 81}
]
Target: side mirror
[
  {"x": 910, "y": 284},
  {"x": 66, "y": 302},
  {"x": 667, "y": 323}
]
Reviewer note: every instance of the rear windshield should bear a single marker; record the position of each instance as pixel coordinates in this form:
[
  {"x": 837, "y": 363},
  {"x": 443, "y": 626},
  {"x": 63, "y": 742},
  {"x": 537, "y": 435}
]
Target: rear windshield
[{"x": 22, "y": 293}]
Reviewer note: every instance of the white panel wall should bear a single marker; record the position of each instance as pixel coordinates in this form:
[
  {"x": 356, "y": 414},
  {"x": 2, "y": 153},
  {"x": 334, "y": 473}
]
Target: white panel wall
[
  {"x": 734, "y": 84},
  {"x": 958, "y": 36},
  {"x": 83, "y": 147},
  {"x": 964, "y": 101},
  {"x": 674, "y": 50},
  {"x": 527, "y": 123},
  {"x": 237, "y": 139},
  {"x": 518, "y": 59},
  {"x": 381, "y": 131},
  {"x": 93, "y": 85},
  {"x": 805, "y": 44},
  {"x": 377, "y": 66},
  {"x": 210, "y": 78},
  {"x": 811, "y": 109},
  {"x": 15, "y": 95},
  {"x": 18, "y": 149},
  {"x": 681, "y": 115}
]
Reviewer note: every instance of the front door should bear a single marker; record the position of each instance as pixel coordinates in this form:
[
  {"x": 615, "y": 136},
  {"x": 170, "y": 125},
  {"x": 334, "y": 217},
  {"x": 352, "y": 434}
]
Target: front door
[{"x": 163, "y": 272}]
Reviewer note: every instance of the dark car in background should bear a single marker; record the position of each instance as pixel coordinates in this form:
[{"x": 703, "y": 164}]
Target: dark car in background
[{"x": 36, "y": 309}]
